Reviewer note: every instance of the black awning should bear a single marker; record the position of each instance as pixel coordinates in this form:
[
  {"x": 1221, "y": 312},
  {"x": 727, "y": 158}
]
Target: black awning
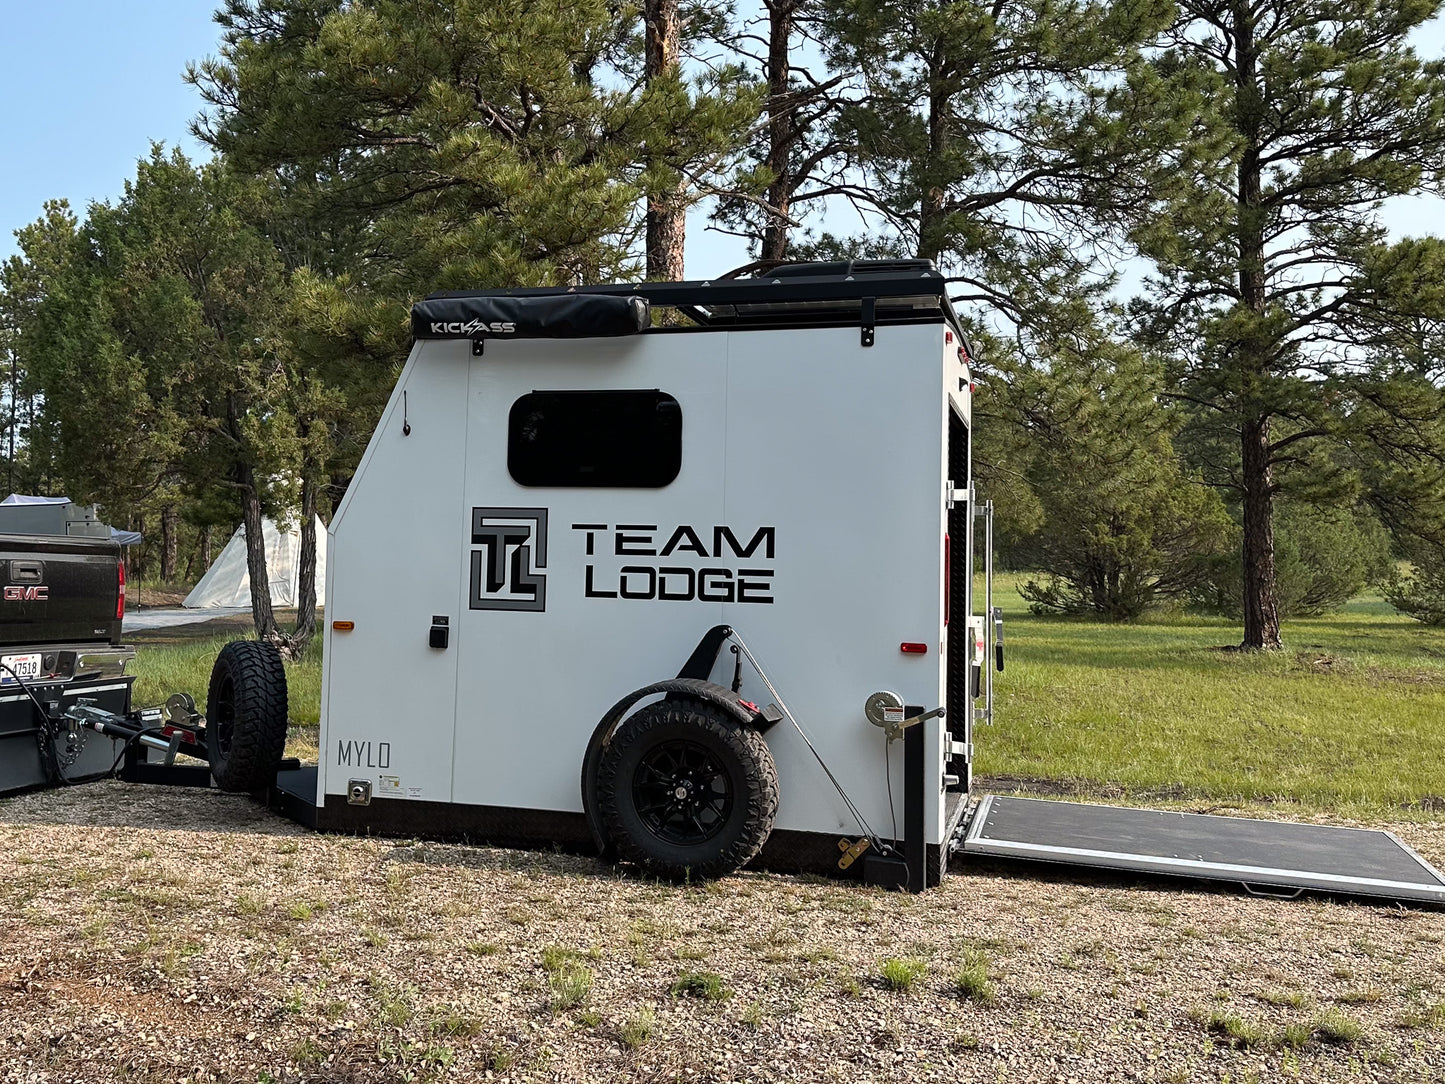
[{"x": 551, "y": 316}]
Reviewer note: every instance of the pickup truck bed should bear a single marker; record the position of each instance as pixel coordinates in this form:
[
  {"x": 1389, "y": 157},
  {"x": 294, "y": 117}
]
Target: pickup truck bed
[{"x": 61, "y": 605}]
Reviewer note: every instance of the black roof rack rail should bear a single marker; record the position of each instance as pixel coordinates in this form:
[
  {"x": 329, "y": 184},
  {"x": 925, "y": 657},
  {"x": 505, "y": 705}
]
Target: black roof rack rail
[
  {"x": 848, "y": 267},
  {"x": 804, "y": 294}
]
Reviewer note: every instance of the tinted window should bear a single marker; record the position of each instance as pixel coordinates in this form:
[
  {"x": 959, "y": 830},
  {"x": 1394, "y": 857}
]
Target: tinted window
[{"x": 629, "y": 439}]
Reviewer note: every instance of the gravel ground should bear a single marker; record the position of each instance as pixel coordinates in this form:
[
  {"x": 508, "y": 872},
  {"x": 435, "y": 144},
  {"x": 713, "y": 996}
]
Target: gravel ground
[{"x": 240, "y": 947}]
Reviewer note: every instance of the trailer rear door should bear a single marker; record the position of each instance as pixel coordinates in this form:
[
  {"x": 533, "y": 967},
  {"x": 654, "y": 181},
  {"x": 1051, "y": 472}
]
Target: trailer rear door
[{"x": 1270, "y": 857}]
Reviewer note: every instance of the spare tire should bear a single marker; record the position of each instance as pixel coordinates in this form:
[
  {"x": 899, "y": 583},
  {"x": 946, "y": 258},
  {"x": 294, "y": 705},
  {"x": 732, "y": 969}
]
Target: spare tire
[
  {"x": 686, "y": 791},
  {"x": 246, "y": 716}
]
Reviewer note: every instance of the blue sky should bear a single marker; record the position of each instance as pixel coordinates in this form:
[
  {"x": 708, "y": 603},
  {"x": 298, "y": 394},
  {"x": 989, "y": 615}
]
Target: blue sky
[{"x": 88, "y": 84}]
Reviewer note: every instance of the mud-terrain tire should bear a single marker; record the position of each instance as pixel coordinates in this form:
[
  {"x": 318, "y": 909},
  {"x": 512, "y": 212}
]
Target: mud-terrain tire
[
  {"x": 686, "y": 791},
  {"x": 246, "y": 716}
]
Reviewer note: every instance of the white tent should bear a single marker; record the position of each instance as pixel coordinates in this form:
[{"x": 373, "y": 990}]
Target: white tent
[{"x": 228, "y": 582}]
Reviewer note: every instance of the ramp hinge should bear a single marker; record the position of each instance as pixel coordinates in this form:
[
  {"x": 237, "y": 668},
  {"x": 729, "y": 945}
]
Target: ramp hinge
[
  {"x": 867, "y": 318},
  {"x": 961, "y": 748},
  {"x": 959, "y": 494}
]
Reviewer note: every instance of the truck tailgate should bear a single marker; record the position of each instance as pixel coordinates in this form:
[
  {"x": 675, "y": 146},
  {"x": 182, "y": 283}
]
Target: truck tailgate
[{"x": 56, "y": 590}]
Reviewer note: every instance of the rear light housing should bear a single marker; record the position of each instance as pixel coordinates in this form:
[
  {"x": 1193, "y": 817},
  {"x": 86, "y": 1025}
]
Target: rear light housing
[{"x": 119, "y": 590}]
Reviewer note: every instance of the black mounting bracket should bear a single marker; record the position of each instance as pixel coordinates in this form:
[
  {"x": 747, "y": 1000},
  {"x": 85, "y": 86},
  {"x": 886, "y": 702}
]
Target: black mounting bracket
[{"x": 867, "y": 332}]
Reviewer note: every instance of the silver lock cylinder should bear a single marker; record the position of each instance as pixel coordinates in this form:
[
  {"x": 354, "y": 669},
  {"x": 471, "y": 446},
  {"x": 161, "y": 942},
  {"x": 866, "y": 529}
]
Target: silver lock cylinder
[{"x": 358, "y": 792}]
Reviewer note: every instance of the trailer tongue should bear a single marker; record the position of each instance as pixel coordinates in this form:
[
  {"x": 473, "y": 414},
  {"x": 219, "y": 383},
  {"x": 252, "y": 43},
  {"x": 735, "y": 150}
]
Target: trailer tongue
[{"x": 1266, "y": 857}]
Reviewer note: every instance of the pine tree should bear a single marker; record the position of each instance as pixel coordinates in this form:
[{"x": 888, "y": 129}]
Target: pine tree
[
  {"x": 1272, "y": 256},
  {"x": 798, "y": 159},
  {"x": 994, "y": 137},
  {"x": 148, "y": 342},
  {"x": 482, "y": 142}
]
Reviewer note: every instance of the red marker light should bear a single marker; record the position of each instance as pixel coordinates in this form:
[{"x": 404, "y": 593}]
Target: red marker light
[
  {"x": 120, "y": 590},
  {"x": 913, "y": 649}
]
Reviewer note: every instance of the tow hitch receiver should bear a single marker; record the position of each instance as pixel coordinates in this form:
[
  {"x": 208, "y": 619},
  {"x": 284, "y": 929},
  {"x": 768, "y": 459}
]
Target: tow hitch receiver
[{"x": 143, "y": 727}]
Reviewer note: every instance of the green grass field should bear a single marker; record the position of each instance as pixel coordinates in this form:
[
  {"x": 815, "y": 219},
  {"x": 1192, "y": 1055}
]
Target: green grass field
[
  {"x": 178, "y": 660},
  {"x": 1350, "y": 718}
]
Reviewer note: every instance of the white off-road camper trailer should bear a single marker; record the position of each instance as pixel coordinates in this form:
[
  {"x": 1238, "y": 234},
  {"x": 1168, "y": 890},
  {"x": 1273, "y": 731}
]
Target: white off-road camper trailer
[
  {"x": 570, "y": 498},
  {"x": 685, "y": 571}
]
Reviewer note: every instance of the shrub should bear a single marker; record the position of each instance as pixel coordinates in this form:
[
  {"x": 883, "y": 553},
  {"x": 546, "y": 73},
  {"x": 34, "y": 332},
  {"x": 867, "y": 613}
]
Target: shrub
[
  {"x": 1333, "y": 1026},
  {"x": 1420, "y": 592},
  {"x": 1323, "y": 558},
  {"x": 570, "y": 986},
  {"x": 971, "y": 981},
  {"x": 1122, "y": 527},
  {"x": 1234, "y": 1030}
]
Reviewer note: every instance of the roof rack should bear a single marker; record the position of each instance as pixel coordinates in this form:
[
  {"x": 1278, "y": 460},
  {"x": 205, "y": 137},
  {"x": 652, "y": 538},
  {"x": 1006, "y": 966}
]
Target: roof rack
[{"x": 800, "y": 294}]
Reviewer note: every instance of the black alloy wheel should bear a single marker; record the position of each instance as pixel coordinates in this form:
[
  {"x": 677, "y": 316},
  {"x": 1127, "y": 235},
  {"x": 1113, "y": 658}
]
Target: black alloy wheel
[
  {"x": 686, "y": 790},
  {"x": 682, "y": 793}
]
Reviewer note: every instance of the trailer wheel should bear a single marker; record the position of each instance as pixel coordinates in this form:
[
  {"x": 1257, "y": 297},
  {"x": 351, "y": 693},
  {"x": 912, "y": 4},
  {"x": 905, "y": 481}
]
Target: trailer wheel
[
  {"x": 685, "y": 791},
  {"x": 246, "y": 716}
]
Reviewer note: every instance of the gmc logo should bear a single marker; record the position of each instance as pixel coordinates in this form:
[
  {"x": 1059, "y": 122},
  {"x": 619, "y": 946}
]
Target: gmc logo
[{"x": 27, "y": 594}]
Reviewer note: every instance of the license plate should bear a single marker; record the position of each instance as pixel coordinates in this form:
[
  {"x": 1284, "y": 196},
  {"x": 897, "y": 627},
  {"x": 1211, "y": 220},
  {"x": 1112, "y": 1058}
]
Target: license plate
[{"x": 26, "y": 666}]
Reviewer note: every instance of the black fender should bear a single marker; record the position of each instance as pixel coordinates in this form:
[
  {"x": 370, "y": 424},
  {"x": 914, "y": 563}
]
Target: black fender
[{"x": 675, "y": 688}]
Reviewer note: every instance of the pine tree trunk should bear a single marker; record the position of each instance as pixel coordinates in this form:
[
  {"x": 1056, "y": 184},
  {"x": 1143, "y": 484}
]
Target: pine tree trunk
[
  {"x": 133, "y": 559},
  {"x": 205, "y": 549},
  {"x": 782, "y": 129},
  {"x": 261, "y": 611},
  {"x": 1261, "y": 608},
  {"x": 170, "y": 543},
  {"x": 666, "y": 210},
  {"x": 932, "y": 204},
  {"x": 306, "y": 587}
]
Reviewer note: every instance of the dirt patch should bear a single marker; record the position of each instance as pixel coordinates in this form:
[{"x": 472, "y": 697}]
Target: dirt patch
[
  {"x": 1080, "y": 788},
  {"x": 229, "y": 625},
  {"x": 168, "y": 935},
  {"x": 156, "y": 596},
  {"x": 1321, "y": 662}
]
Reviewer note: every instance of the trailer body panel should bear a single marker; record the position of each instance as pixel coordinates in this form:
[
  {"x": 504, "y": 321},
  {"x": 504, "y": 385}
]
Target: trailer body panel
[
  {"x": 534, "y": 683},
  {"x": 761, "y": 529},
  {"x": 388, "y": 699}
]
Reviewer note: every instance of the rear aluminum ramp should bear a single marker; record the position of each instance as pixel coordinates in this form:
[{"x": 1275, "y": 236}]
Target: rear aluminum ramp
[{"x": 1267, "y": 856}]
